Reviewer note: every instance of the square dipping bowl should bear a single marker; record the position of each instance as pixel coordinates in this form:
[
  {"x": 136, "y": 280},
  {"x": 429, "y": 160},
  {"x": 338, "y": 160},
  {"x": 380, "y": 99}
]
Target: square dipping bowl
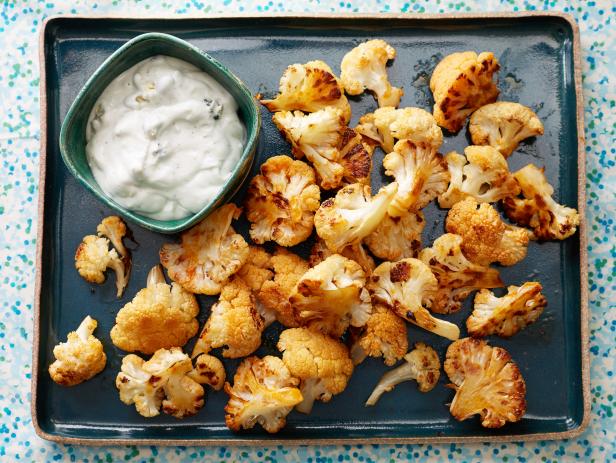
[{"x": 73, "y": 131}]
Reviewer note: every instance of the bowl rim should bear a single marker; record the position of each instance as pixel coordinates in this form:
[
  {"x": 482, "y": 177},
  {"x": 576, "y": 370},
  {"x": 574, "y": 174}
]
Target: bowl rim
[{"x": 238, "y": 175}]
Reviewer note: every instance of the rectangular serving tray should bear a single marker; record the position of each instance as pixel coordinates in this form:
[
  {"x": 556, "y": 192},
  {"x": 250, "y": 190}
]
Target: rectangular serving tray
[{"x": 540, "y": 59}]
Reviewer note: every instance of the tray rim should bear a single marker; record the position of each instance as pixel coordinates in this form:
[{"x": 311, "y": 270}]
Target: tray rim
[{"x": 241, "y": 441}]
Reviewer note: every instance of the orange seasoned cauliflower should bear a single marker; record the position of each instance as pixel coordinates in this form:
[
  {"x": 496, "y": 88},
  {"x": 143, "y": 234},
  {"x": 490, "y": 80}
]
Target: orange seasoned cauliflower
[
  {"x": 93, "y": 257},
  {"x": 208, "y": 370},
  {"x": 355, "y": 157},
  {"x": 256, "y": 272},
  {"x": 319, "y": 252},
  {"x": 396, "y": 238}
]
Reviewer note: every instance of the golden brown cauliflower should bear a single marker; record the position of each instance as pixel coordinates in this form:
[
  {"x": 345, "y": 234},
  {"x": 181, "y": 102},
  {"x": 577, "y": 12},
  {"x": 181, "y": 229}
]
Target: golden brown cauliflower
[
  {"x": 256, "y": 272},
  {"x": 321, "y": 363},
  {"x": 505, "y": 316},
  {"x": 263, "y": 392},
  {"x": 421, "y": 174},
  {"x": 79, "y": 358},
  {"x": 355, "y": 157},
  {"x": 485, "y": 177},
  {"x": 421, "y": 364},
  {"x": 485, "y": 237},
  {"x": 114, "y": 229},
  {"x": 364, "y": 67},
  {"x": 538, "y": 210},
  {"x": 93, "y": 257},
  {"x": 281, "y": 202},
  {"x": 234, "y": 323},
  {"x": 386, "y": 125},
  {"x": 457, "y": 276},
  {"x": 487, "y": 383},
  {"x": 397, "y": 237},
  {"x": 209, "y": 253},
  {"x": 159, "y": 316},
  {"x": 309, "y": 87},
  {"x": 461, "y": 83},
  {"x": 504, "y": 125},
  {"x": 209, "y": 370},
  {"x": 319, "y": 252}
]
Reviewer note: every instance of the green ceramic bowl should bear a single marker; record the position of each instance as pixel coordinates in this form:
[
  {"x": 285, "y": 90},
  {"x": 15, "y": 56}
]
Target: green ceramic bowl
[{"x": 73, "y": 131}]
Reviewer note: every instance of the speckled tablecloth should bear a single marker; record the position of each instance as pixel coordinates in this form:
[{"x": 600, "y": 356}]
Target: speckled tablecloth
[{"x": 19, "y": 153}]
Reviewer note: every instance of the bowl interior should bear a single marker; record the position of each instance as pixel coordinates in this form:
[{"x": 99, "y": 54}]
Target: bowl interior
[{"x": 73, "y": 132}]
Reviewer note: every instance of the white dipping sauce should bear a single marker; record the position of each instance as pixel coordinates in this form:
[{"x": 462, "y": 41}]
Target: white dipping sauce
[{"x": 163, "y": 138}]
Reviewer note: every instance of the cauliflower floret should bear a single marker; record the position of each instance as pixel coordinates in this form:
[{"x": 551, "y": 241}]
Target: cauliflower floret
[
  {"x": 319, "y": 252},
  {"x": 421, "y": 174},
  {"x": 309, "y": 87},
  {"x": 486, "y": 177},
  {"x": 355, "y": 157},
  {"x": 208, "y": 370},
  {"x": 331, "y": 296},
  {"x": 485, "y": 237},
  {"x": 406, "y": 287},
  {"x": 159, "y": 316},
  {"x": 538, "y": 210},
  {"x": 79, "y": 358},
  {"x": 114, "y": 229},
  {"x": 255, "y": 272},
  {"x": 505, "y": 316},
  {"x": 461, "y": 83},
  {"x": 352, "y": 214},
  {"x": 321, "y": 363},
  {"x": 503, "y": 125},
  {"x": 397, "y": 237},
  {"x": 263, "y": 392},
  {"x": 386, "y": 125},
  {"x": 281, "y": 202},
  {"x": 234, "y": 323},
  {"x": 93, "y": 257},
  {"x": 457, "y": 276},
  {"x": 209, "y": 253},
  {"x": 364, "y": 67},
  {"x": 487, "y": 382},
  {"x": 421, "y": 364}
]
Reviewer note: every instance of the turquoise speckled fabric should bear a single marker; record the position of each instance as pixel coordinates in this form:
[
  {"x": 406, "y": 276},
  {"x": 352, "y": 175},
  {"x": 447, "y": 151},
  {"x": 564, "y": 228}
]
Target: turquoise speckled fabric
[{"x": 19, "y": 154}]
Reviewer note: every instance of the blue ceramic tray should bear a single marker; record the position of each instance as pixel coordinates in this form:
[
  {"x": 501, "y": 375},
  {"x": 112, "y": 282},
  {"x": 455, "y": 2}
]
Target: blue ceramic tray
[{"x": 539, "y": 55}]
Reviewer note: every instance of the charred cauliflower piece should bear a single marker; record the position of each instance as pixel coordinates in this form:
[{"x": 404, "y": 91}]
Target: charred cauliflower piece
[
  {"x": 396, "y": 238},
  {"x": 421, "y": 364},
  {"x": 407, "y": 286},
  {"x": 159, "y": 316},
  {"x": 457, "y": 276},
  {"x": 486, "y": 177},
  {"x": 352, "y": 214},
  {"x": 255, "y": 273},
  {"x": 79, "y": 358},
  {"x": 309, "y": 87},
  {"x": 538, "y": 210},
  {"x": 331, "y": 295},
  {"x": 504, "y": 125},
  {"x": 421, "y": 174},
  {"x": 485, "y": 237},
  {"x": 263, "y": 392},
  {"x": 364, "y": 67},
  {"x": 93, "y": 257},
  {"x": 209, "y": 253},
  {"x": 355, "y": 158},
  {"x": 505, "y": 316},
  {"x": 487, "y": 383},
  {"x": 208, "y": 370},
  {"x": 461, "y": 83},
  {"x": 281, "y": 202},
  {"x": 319, "y": 252},
  {"x": 321, "y": 363}
]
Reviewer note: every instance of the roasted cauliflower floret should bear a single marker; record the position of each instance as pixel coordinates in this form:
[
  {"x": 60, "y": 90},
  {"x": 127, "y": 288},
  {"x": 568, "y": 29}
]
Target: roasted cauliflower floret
[
  {"x": 485, "y": 237},
  {"x": 485, "y": 177},
  {"x": 281, "y": 202},
  {"x": 352, "y": 214},
  {"x": 79, "y": 358},
  {"x": 319, "y": 252},
  {"x": 255, "y": 272},
  {"x": 209, "y": 253},
  {"x": 234, "y": 323},
  {"x": 421, "y": 174},
  {"x": 321, "y": 363},
  {"x": 208, "y": 370},
  {"x": 114, "y": 229},
  {"x": 331, "y": 295},
  {"x": 93, "y": 257},
  {"x": 396, "y": 238},
  {"x": 461, "y": 83},
  {"x": 538, "y": 210},
  {"x": 364, "y": 67},
  {"x": 504, "y": 125},
  {"x": 457, "y": 276},
  {"x": 421, "y": 364},
  {"x": 309, "y": 87},
  {"x": 505, "y": 316},
  {"x": 159, "y": 316},
  {"x": 355, "y": 158},
  {"x": 407, "y": 287},
  {"x": 386, "y": 125},
  {"x": 487, "y": 383},
  {"x": 263, "y": 392}
]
